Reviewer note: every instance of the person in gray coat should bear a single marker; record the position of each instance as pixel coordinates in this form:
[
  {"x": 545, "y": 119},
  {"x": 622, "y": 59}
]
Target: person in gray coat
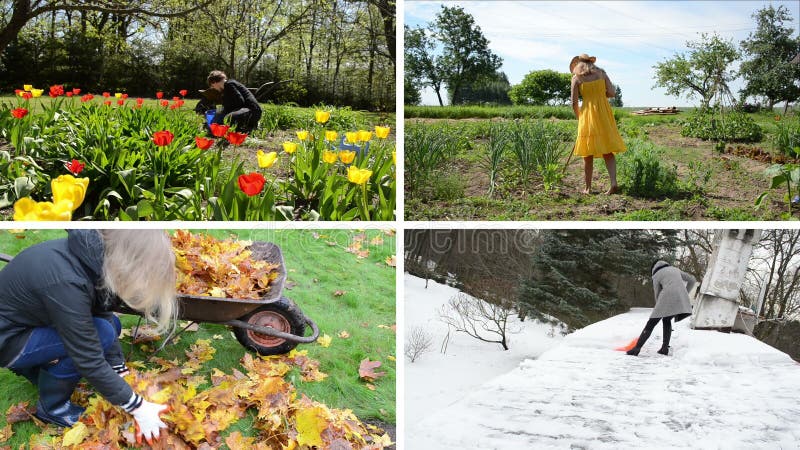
[
  {"x": 56, "y": 320},
  {"x": 671, "y": 287}
]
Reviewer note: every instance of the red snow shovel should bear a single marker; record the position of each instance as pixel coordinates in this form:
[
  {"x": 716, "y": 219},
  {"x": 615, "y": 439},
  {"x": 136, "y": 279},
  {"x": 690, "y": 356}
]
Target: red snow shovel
[{"x": 630, "y": 345}]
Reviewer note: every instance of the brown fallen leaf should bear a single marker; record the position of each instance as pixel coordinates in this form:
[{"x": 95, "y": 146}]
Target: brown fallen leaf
[
  {"x": 371, "y": 386},
  {"x": 366, "y": 370},
  {"x": 391, "y": 261},
  {"x": 19, "y": 413},
  {"x": 377, "y": 240},
  {"x": 344, "y": 334},
  {"x": 339, "y": 293},
  {"x": 6, "y": 432}
]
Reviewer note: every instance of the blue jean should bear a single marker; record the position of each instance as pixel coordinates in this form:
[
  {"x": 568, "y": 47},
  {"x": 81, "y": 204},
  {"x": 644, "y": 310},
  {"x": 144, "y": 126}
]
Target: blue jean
[{"x": 45, "y": 345}]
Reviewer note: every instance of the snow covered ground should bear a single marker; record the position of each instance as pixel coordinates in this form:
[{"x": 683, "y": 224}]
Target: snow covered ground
[
  {"x": 716, "y": 391},
  {"x": 438, "y": 380}
]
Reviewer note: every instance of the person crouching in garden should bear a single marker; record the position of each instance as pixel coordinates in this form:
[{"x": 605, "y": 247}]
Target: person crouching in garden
[
  {"x": 239, "y": 106},
  {"x": 597, "y": 130},
  {"x": 671, "y": 287},
  {"x": 56, "y": 320}
]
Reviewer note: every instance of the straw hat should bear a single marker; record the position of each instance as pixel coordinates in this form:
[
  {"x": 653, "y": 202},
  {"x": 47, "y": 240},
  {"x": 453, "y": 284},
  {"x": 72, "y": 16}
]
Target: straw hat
[{"x": 583, "y": 57}]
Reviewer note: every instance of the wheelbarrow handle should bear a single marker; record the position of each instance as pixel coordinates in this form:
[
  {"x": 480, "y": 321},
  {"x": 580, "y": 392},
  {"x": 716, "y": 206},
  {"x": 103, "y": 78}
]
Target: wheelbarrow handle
[
  {"x": 269, "y": 331},
  {"x": 5, "y": 258}
]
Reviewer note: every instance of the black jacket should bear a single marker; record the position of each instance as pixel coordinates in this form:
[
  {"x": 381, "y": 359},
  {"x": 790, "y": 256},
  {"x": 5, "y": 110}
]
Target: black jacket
[
  {"x": 236, "y": 96},
  {"x": 55, "y": 284}
]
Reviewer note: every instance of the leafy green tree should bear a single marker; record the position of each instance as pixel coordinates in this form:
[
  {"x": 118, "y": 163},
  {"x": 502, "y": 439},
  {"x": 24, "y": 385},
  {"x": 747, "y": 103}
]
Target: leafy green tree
[
  {"x": 571, "y": 271},
  {"x": 466, "y": 54},
  {"x": 411, "y": 94},
  {"x": 542, "y": 87},
  {"x": 768, "y": 71},
  {"x": 492, "y": 89},
  {"x": 703, "y": 72},
  {"x": 421, "y": 64},
  {"x": 617, "y": 100}
]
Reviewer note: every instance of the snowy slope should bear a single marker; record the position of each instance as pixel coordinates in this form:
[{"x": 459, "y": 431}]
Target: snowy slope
[
  {"x": 717, "y": 391},
  {"x": 437, "y": 380}
]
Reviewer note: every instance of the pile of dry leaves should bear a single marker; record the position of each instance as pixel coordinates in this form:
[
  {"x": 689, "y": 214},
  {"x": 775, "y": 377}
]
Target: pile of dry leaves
[{"x": 202, "y": 407}]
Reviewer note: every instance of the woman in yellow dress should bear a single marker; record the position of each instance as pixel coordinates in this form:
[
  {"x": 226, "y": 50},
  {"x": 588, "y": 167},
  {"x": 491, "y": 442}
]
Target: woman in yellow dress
[{"x": 597, "y": 130}]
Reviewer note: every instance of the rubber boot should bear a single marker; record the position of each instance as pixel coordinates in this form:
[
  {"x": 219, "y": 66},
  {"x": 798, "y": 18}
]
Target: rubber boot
[
  {"x": 665, "y": 343},
  {"x": 54, "y": 405},
  {"x": 642, "y": 338},
  {"x": 30, "y": 373}
]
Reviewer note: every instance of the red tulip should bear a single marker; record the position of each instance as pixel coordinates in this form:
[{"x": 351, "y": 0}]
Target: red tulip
[
  {"x": 56, "y": 90},
  {"x": 176, "y": 98},
  {"x": 69, "y": 94},
  {"x": 219, "y": 130},
  {"x": 76, "y": 91},
  {"x": 17, "y": 91},
  {"x": 75, "y": 166},
  {"x": 107, "y": 102},
  {"x": 183, "y": 92},
  {"x": 26, "y": 95},
  {"x": 236, "y": 138},
  {"x": 106, "y": 94},
  {"x": 162, "y": 138},
  {"x": 252, "y": 183},
  {"x": 87, "y": 97},
  {"x": 164, "y": 103},
  {"x": 124, "y": 96},
  {"x": 203, "y": 143},
  {"x": 139, "y": 101},
  {"x": 19, "y": 113},
  {"x": 121, "y": 101},
  {"x": 159, "y": 95}
]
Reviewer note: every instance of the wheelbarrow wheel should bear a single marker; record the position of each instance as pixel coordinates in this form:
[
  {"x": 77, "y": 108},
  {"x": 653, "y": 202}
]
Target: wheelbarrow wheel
[{"x": 282, "y": 315}]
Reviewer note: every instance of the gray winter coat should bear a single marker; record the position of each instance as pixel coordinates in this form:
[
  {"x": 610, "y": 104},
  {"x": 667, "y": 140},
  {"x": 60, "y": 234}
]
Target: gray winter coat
[
  {"x": 55, "y": 284},
  {"x": 671, "y": 292}
]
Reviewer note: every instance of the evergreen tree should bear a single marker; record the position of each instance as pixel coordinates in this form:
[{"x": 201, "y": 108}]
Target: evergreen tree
[{"x": 571, "y": 268}]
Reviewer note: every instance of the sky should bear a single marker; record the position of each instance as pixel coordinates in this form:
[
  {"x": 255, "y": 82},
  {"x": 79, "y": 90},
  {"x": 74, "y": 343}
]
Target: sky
[{"x": 628, "y": 38}]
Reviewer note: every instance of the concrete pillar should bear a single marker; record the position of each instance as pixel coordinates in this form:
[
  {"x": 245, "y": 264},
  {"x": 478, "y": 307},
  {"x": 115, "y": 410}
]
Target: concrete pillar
[{"x": 717, "y": 302}]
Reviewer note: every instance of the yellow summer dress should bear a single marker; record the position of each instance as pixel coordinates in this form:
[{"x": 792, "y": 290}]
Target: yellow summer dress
[{"x": 597, "y": 130}]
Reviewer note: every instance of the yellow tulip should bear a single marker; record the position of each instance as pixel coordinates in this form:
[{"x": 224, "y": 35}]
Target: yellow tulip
[
  {"x": 329, "y": 156},
  {"x": 394, "y": 157},
  {"x": 37, "y": 92},
  {"x": 266, "y": 160},
  {"x": 289, "y": 147},
  {"x": 27, "y": 87},
  {"x": 382, "y": 132},
  {"x": 331, "y": 135},
  {"x": 68, "y": 189},
  {"x": 118, "y": 94},
  {"x": 347, "y": 156},
  {"x": 351, "y": 136},
  {"x": 302, "y": 135},
  {"x": 358, "y": 176},
  {"x": 322, "y": 116},
  {"x": 364, "y": 135},
  {"x": 26, "y": 209}
]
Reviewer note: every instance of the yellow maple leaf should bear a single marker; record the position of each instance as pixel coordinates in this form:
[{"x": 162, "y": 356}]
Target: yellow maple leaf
[
  {"x": 6, "y": 432},
  {"x": 76, "y": 434},
  {"x": 310, "y": 422},
  {"x": 391, "y": 358},
  {"x": 324, "y": 340},
  {"x": 217, "y": 292},
  {"x": 162, "y": 396}
]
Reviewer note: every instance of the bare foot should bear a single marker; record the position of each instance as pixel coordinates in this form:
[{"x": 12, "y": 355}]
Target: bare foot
[{"x": 612, "y": 190}]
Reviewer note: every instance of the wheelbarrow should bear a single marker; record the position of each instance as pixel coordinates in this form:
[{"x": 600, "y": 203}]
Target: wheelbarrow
[{"x": 270, "y": 325}]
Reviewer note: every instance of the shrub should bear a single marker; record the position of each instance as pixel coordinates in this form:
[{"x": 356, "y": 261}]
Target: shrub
[
  {"x": 786, "y": 139},
  {"x": 643, "y": 173},
  {"x": 717, "y": 126}
]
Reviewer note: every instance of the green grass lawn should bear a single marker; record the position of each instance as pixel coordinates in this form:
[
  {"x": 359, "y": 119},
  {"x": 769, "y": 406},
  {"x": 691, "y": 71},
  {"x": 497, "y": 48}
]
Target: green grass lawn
[{"x": 318, "y": 266}]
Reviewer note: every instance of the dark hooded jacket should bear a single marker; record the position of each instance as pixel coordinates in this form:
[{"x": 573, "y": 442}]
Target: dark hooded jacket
[
  {"x": 236, "y": 96},
  {"x": 56, "y": 284}
]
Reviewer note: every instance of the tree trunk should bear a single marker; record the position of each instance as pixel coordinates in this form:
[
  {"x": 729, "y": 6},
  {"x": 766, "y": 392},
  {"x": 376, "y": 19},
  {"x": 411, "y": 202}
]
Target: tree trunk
[
  {"x": 439, "y": 96},
  {"x": 19, "y": 17}
]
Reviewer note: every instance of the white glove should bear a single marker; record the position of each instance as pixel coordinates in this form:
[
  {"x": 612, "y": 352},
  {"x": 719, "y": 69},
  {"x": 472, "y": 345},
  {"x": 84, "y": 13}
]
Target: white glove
[{"x": 148, "y": 422}]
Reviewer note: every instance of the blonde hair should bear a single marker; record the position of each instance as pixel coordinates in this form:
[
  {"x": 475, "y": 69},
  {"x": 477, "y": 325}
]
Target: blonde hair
[
  {"x": 583, "y": 68},
  {"x": 139, "y": 267}
]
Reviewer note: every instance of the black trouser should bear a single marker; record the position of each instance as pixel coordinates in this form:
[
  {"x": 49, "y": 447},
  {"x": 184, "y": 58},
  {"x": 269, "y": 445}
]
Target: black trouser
[
  {"x": 648, "y": 328},
  {"x": 245, "y": 119}
]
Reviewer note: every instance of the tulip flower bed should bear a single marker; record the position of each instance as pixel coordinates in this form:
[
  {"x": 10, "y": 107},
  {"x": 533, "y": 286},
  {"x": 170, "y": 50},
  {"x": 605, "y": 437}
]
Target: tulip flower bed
[{"x": 110, "y": 157}]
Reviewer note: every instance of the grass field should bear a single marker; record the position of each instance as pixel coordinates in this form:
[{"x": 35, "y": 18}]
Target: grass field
[
  {"x": 332, "y": 286},
  {"x": 709, "y": 186}
]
